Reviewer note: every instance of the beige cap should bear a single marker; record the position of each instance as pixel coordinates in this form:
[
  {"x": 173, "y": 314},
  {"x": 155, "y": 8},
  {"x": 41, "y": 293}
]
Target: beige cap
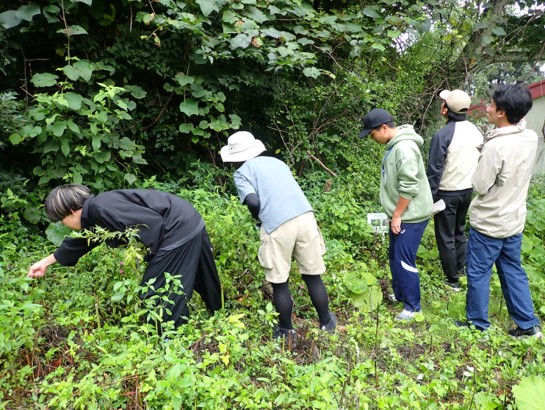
[{"x": 457, "y": 100}]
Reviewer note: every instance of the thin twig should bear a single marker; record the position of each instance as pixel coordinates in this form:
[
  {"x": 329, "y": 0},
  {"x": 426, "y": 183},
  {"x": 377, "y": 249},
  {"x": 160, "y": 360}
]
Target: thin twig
[{"x": 322, "y": 164}]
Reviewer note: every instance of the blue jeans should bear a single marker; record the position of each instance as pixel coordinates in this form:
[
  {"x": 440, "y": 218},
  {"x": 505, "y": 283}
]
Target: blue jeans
[
  {"x": 482, "y": 252},
  {"x": 402, "y": 254}
]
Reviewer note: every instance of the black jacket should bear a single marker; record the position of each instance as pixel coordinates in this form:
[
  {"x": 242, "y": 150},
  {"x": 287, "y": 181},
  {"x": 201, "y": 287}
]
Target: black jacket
[{"x": 163, "y": 220}]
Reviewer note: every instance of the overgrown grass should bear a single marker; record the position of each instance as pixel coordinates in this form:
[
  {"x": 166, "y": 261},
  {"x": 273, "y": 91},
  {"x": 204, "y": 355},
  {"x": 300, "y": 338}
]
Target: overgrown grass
[{"x": 76, "y": 339}]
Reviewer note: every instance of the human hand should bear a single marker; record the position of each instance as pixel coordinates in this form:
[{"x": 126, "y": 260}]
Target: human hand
[
  {"x": 39, "y": 268},
  {"x": 395, "y": 224}
]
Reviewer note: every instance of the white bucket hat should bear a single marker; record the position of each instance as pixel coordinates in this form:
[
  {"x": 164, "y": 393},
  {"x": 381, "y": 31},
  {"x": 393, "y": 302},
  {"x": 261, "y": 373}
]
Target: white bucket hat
[
  {"x": 241, "y": 146},
  {"x": 457, "y": 100}
]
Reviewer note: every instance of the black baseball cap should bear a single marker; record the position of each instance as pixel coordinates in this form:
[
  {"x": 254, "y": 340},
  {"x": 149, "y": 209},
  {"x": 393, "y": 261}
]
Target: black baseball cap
[{"x": 375, "y": 117}]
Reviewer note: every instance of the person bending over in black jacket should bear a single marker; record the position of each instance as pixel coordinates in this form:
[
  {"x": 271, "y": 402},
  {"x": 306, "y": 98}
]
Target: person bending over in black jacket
[{"x": 170, "y": 227}]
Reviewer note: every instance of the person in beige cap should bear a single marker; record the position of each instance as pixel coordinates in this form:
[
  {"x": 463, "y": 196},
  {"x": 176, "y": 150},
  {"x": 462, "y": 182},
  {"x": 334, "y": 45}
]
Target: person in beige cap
[
  {"x": 287, "y": 228},
  {"x": 452, "y": 161}
]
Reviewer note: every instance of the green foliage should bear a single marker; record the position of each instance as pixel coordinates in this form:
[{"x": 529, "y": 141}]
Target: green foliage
[
  {"x": 11, "y": 115},
  {"x": 197, "y": 66},
  {"x": 78, "y": 137},
  {"x": 136, "y": 93},
  {"x": 17, "y": 199},
  {"x": 82, "y": 338},
  {"x": 363, "y": 287},
  {"x": 530, "y": 393}
]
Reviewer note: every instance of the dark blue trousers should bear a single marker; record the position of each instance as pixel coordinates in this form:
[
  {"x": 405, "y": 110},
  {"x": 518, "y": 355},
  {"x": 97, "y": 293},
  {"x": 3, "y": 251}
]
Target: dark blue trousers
[
  {"x": 482, "y": 252},
  {"x": 402, "y": 254}
]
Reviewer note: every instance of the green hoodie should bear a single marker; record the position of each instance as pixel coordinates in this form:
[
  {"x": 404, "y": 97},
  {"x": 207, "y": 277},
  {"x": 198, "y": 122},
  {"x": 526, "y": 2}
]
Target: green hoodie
[{"x": 403, "y": 174}]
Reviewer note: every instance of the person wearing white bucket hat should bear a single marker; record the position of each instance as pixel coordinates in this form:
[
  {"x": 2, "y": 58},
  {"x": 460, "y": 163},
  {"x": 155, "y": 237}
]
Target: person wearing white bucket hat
[
  {"x": 241, "y": 146},
  {"x": 288, "y": 228}
]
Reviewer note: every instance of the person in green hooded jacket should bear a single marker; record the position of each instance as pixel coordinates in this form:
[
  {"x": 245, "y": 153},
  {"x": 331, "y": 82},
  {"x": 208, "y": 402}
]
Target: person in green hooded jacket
[{"x": 406, "y": 197}]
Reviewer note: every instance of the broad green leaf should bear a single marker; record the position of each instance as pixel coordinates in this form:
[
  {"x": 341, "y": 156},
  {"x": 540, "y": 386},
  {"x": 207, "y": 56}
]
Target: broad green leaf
[
  {"x": 368, "y": 300},
  {"x": 96, "y": 142},
  {"x": 15, "y": 138},
  {"x": 370, "y": 11},
  {"x": 130, "y": 178},
  {"x": 257, "y": 15},
  {"x": 70, "y": 72},
  {"x": 126, "y": 144},
  {"x": 136, "y": 91},
  {"x": 271, "y": 32},
  {"x": 229, "y": 17},
  {"x": 219, "y": 124},
  {"x": 353, "y": 282},
  {"x": 9, "y": 19},
  {"x": 88, "y": 2},
  {"x": 240, "y": 41},
  {"x": 487, "y": 39},
  {"x": 32, "y": 214},
  {"x": 499, "y": 31},
  {"x": 85, "y": 69},
  {"x": 184, "y": 79},
  {"x": 31, "y": 131},
  {"x": 27, "y": 12},
  {"x": 137, "y": 159},
  {"x": 103, "y": 156},
  {"x": 146, "y": 18},
  {"x": 74, "y": 30},
  {"x": 65, "y": 147},
  {"x": 189, "y": 107},
  {"x": 56, "y": 232},
  {"x": 303, "y": 10},
  {"x": 50, "y": 146},
  {"x": 76, "y": 177},
  {"x": 207, "y": 6},
  {"x": 186, "y": 128},
  {"x": 305, "y": 41},
  {"x": 480, "y": 25},
  {"x": 378, "y": 46},
  {"x": 312, "y": 72},
  {"x": 44, "y": 79},
  {"x": 81, "y": 69},
  {"x": 74, "y": 100},
  {"x": 530, "y": 393},
  {"x": 236, "y": 121},
  {"x": 121, "y": 103},
  {"x": 393, "y": 34},
  {"x": 73, "y": 126},
  {"x": 201, "y": 93},
  {"x": 58, "y": 128},
  {"x": 50, "y": 12}
]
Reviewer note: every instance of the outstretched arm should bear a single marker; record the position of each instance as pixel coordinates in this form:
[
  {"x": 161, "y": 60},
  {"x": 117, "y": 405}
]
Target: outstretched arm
[{"x": 39, "y": 268}]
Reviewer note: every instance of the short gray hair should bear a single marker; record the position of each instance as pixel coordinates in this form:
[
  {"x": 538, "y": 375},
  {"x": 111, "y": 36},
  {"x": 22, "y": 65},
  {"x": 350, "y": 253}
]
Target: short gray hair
[{"x": 64, "y": 199}]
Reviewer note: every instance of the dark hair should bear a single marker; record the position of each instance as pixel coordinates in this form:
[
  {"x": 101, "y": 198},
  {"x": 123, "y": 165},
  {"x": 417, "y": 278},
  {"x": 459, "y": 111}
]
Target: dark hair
[
  {"x": 513, "y": 99},
  {"x": 64, "y": 199},
  {"x": 453, "y": 116}
]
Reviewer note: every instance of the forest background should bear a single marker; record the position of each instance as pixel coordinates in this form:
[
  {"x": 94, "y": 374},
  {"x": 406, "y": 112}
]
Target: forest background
[{"x": 131, "y": 93}]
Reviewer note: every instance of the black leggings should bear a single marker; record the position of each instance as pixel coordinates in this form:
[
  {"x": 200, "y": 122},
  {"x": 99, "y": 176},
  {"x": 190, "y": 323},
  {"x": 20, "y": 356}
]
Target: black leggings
[{"x": 283, "y": 302}]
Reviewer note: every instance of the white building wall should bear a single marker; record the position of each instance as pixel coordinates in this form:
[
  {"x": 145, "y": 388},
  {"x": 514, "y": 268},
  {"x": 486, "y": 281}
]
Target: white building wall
[{"x": 535, "y": 120}]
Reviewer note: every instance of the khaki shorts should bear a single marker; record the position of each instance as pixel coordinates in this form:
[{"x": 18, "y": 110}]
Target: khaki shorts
[{"x": 299, "y": 237}]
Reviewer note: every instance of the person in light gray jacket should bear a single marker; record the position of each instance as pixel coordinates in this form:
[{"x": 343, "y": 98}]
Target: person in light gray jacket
[{"x": 498, "y": 213}]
